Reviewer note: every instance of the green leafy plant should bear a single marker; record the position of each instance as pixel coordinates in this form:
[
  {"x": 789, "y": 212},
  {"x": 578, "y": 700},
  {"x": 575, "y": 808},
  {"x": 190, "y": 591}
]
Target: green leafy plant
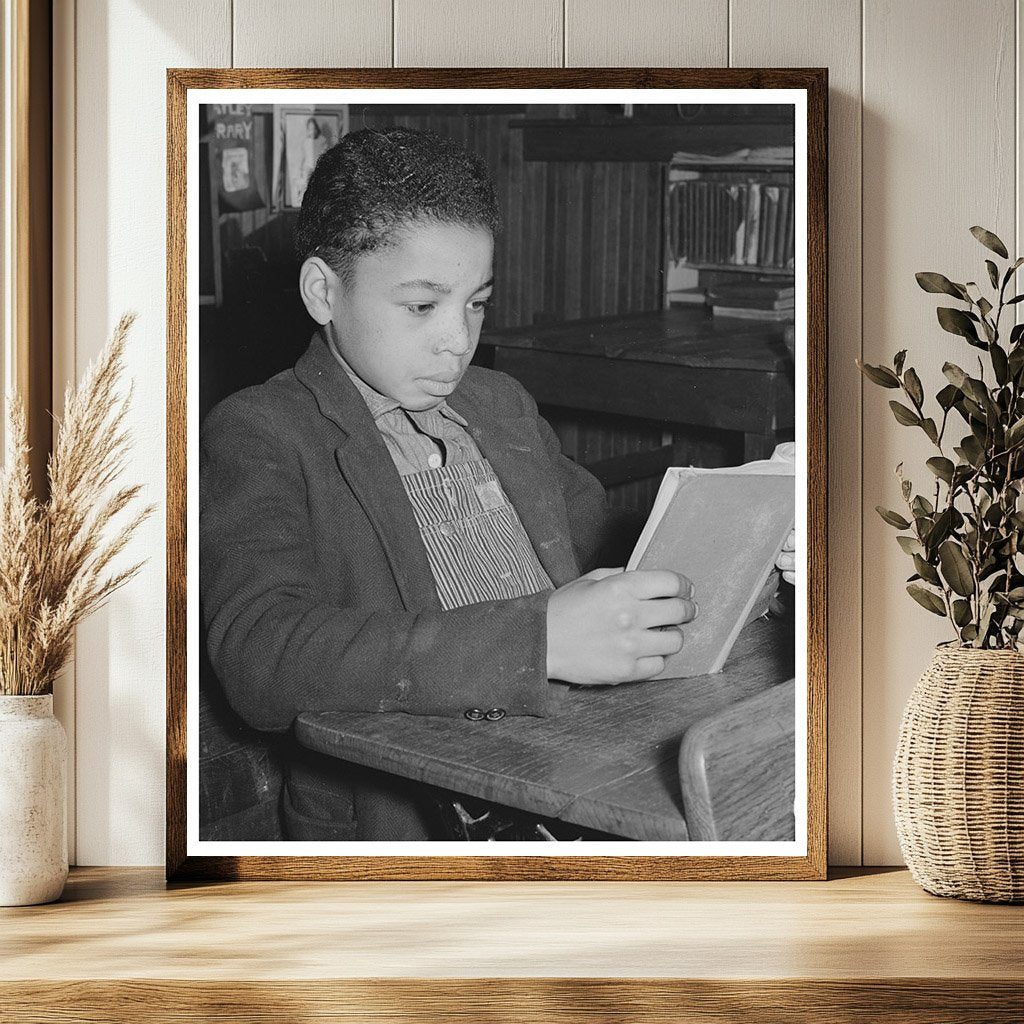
[{"x": 966, "y": 537}]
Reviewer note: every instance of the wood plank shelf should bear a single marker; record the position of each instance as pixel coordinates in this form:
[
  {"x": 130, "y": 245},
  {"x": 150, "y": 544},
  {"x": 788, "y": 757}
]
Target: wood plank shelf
[
  {"x": 866, "y": 945},
  {"x": 616, "y": 142}
]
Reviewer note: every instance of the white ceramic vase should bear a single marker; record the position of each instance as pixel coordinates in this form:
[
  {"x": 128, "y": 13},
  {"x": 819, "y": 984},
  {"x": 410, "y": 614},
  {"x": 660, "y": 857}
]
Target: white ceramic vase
[{"x": 33, "y": 803}]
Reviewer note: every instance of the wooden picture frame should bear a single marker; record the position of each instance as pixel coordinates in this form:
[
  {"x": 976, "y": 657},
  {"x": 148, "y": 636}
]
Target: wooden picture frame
[{"x": 623, "y": 125}]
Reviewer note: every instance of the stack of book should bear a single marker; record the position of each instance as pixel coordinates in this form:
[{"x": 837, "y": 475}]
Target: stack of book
[{"x": 754, "y": 300}]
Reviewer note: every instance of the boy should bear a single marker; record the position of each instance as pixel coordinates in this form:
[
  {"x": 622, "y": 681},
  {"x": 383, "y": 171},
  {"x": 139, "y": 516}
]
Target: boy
[{"x": 386, "y": 528}]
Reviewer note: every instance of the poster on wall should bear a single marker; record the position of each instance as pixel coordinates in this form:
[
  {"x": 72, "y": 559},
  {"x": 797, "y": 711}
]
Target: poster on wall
[
  {"x": 233, "y": 141},
  {"x": 495, "y": 517}
]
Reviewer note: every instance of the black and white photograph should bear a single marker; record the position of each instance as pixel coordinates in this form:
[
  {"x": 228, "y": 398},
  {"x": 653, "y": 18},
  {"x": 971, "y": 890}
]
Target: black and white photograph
[
  {"x": 301, "y": 136},
  {"x": 497, "y": 473}
]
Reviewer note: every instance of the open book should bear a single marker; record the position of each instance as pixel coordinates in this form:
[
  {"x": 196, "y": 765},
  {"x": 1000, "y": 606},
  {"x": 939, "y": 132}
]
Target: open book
[{"x": 723, "y": 529}]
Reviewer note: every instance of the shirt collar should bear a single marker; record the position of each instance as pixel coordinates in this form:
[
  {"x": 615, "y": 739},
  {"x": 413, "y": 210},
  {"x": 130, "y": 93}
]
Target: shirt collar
[{"x": 378, "y": 404}]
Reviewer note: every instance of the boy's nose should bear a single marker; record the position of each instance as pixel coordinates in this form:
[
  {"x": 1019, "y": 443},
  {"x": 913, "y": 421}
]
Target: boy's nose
[{"x": 457, "y": 339}]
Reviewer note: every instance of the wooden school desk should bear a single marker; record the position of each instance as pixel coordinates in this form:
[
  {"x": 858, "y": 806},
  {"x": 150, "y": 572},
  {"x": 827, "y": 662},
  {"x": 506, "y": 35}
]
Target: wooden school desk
[
  {"x": 608, "y": 759},
  {"x": 677, "y": 366}
]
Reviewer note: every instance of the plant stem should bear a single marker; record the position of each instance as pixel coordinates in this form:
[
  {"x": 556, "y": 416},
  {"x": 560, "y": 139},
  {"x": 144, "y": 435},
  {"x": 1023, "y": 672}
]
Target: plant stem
[{"x": 977, "y": 558}]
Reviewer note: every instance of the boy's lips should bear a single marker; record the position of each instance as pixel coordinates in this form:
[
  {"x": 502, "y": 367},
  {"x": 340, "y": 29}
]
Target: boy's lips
[{"x": 443, "y": 385}]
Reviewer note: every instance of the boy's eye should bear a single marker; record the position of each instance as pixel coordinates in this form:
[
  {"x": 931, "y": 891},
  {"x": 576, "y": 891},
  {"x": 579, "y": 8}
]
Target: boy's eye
[{"x": 425, "y": 308}]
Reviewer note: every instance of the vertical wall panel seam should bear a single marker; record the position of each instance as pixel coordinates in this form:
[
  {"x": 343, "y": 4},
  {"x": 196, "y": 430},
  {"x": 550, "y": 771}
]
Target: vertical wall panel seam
[
  {"x": 565, "y": 33},
  {"x": 73, "y": 241},
  {"x": 728, "y": 33},
  {"x": 860, "y": 413},
  {"x": 1017, "y": 129},
  {"x": 231, "y": 32},
  {"x": 72, "y": 304},
  {"x": 74, "y": 339}
]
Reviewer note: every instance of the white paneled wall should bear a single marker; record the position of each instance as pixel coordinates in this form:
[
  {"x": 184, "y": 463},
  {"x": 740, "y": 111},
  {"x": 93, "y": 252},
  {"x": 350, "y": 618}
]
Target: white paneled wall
[
  {"x": 122, "y": 53},
  {"x": 315, "y": 33},
  {"x": 939, "y": 156},
  {"x": 647, "y": 33},
  {"x": 812, "y": 34},
  {"x": 65, "y": 259},
  {"x": 924, "y": 135},
  {"x": 468, "y": 33}
]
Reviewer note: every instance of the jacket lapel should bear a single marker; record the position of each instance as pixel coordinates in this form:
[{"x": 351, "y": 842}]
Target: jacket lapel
[
  {"x": 513, "y": 447},
  {"x": 509, "y": 442},
  {"x": 366, "y": 464}
]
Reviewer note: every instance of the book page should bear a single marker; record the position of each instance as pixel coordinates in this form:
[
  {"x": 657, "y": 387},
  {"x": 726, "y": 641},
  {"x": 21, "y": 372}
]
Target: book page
[
  {"x": 670, "y": 484},
  {"x": 724, "y": 530}
]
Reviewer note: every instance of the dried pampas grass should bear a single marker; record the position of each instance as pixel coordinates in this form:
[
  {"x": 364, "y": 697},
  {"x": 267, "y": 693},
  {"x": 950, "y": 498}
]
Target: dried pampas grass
[{"x": 55, "y": 557}]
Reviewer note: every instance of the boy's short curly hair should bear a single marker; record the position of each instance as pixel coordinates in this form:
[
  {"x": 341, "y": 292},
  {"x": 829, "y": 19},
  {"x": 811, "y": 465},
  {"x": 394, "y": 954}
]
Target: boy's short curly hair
[{"x": 375, "y": 181}]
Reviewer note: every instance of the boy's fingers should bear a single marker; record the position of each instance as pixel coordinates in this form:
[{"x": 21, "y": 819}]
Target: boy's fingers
[
  {"x": 647, "y": 667},
  {"x": 663, "y": 642},
  {"x": 657, "y": 643},
  {"x": 648, "y": 583},
  {"x": 600, "y": 574},
  {"x": 787, "y": 560},
  {"x": 666, "y": 611}
]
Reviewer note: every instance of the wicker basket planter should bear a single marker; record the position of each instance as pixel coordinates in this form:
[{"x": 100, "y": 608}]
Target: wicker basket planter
[{"x": 958, "y": 776}]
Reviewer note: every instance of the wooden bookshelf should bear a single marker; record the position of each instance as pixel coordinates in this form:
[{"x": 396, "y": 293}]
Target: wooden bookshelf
[
  {"x": 733, "y": 268},
  {"x": 730, "y": 219},
  {"x": 867, "y": 945}
]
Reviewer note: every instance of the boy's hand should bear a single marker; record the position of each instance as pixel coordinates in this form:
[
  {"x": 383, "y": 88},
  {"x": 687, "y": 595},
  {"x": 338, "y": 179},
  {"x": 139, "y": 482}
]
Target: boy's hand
[
  {"x": 786, "y": 452},
  {"x": 602, "y": 628},
  {"x": 787, "y": 559}
]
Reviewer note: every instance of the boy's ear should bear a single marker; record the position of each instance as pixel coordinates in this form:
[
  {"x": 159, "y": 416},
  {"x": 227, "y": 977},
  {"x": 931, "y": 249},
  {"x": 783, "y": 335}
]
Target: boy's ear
[{"x": 317, "y": 284}]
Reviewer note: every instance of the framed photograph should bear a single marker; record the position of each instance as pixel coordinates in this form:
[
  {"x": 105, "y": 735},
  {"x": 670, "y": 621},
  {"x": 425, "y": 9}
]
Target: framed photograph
[
  {"x": 497, "y": 474},
  {"x": 300, "y": 137}
]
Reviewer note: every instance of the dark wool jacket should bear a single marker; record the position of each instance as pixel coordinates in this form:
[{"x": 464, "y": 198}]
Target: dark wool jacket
[{"x": 315, "y": 585}]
